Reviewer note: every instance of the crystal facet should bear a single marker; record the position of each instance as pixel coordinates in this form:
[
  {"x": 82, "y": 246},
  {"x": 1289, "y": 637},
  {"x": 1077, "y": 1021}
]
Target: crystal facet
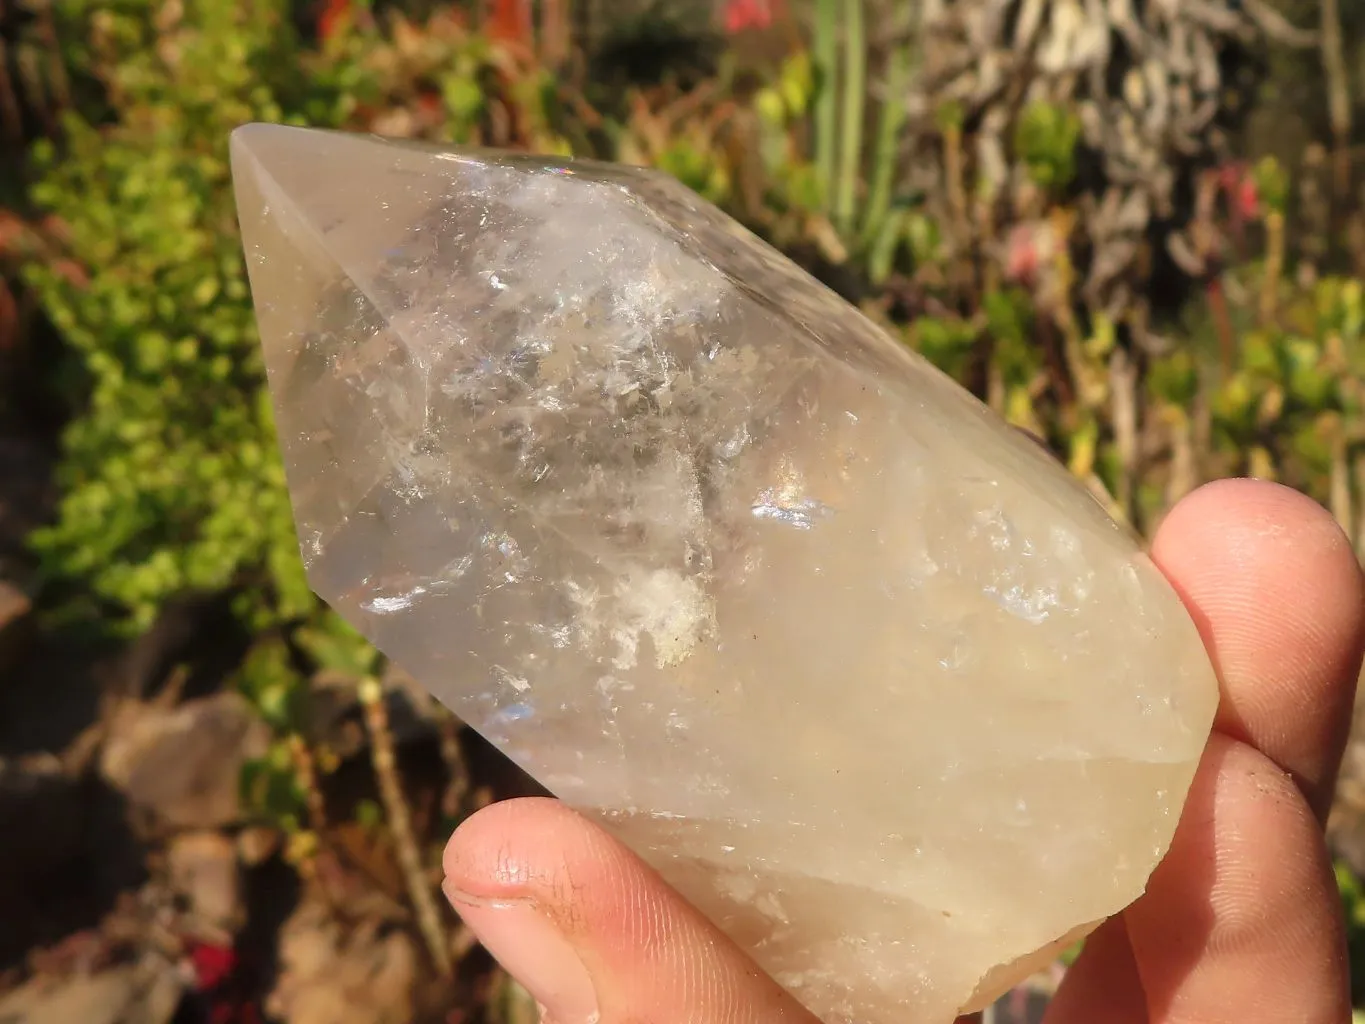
[{"x": 866, "y": 676}]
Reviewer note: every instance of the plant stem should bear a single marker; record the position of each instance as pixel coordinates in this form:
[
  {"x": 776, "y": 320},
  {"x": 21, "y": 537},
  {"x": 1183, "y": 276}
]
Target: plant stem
[
  {"x": 554, "y": 30},
  {"x": 826, "y": 100},
  {"x": 305, "y": 767},
  {"x": 1339, "y": 485},
  {"x": 457, "y": 784},
  {"x": 1359, "y": 536},
  {"x": 1181, "y": 480},
  {"x": 957, "y": 192},
  {"x": 1338, "y": 94},
  {"x": 888, "y": 133},
  {"x": 11, "y": 116},
  {"x": 1124, "y": 379},
  {"x": 883, "y": 243},
  {"x": 855, "y": 88},
  {"x": 1274, "y": 266},
  {"x": 400, "y": 825}
]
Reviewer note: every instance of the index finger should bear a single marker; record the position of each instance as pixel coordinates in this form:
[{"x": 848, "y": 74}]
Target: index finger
[{"x": 1278, "y": 596}]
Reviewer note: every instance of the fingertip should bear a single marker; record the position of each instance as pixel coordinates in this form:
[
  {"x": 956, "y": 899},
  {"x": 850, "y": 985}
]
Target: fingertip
[
  {"x": 1278, "y": 594},
  {"x": 1247, "y": 515},
  {"x": 1234, "y": 540},
  {"x": 508, "y": 849}
]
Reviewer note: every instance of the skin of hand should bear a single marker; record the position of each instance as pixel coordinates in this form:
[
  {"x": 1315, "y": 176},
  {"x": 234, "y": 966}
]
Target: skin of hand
[{"x": 1241, "y": 921}]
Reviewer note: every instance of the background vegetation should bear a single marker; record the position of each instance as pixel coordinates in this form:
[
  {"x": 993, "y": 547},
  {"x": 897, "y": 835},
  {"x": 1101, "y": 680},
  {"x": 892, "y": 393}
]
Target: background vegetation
[{"x": 1114, "y": 231}]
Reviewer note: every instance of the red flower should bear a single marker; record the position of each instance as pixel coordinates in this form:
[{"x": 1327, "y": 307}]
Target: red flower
[
  {"x": 1248, "y": 197},
  {"x": 333, "y": 14},
  {"x": 739, "y": 15},
  {"x": 1239, "y": 185},
  {"x": 510, "y": 21},
  {"x": 1028, "y": 248},
  {"x": 213, "y": 965}
]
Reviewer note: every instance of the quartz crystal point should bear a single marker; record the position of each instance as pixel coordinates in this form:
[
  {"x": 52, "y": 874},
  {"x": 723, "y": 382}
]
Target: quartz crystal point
[{"x": 860, "y": 670}]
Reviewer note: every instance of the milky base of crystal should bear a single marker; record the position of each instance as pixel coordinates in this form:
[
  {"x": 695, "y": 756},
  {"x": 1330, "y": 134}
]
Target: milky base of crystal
[{"x": 862, "y": 672}]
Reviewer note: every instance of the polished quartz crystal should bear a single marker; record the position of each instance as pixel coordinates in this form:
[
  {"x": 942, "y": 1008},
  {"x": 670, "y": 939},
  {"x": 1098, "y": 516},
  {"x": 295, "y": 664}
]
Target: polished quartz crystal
[{"x": 866, "y": 675}]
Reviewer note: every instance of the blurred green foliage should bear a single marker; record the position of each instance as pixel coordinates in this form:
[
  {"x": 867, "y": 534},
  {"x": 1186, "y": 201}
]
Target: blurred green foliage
[
  {"x": 171, "y": 480},
  {"x": 1352, "y": 892},
  {"x": 1045, "y": 139}
]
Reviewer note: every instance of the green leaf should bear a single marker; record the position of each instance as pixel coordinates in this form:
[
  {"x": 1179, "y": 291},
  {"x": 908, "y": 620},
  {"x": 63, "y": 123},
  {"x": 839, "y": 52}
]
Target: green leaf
[
  {"x": 336, "y": 647},
  {"x": 1045, "y": 139}
]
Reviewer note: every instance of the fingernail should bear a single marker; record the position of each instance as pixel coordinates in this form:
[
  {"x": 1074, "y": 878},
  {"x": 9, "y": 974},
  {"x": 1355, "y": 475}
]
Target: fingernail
[{"x": 533, "y": 951}]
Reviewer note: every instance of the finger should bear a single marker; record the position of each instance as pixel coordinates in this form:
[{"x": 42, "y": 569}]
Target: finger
[
  {"x": 1277, "y": 593},
  {"x": 591, "y": 931},
  {"x": 1242, "y": 919},
  {"x": 1103, "y": 984}
]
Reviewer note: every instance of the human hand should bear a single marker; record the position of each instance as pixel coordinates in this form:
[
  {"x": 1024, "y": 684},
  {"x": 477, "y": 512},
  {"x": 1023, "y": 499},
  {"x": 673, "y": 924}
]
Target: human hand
[{"x": 1240, "y": 922}]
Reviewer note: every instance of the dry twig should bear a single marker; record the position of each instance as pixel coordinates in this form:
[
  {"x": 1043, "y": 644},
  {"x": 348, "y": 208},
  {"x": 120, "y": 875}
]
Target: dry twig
[
  {"x": 1338, "y": 95},
  {"x": 399, "y": 818}
]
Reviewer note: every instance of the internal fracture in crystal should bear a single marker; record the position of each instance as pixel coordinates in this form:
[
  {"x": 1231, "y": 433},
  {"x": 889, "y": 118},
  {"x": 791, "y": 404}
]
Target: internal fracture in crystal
[{"x": 862, "y": 672}]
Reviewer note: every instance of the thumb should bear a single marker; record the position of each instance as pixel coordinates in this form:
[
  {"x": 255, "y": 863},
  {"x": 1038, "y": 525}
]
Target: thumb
[{"x": 591, "y": 931}]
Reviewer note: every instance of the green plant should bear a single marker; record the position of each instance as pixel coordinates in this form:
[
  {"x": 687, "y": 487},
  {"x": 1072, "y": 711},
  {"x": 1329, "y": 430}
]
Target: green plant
[
  {"x": 283, "y": 786},
  {"x": 170, "y": 477},
  {"x": 1289, "y": 406},
  {"x": 1352, "y": 892},
  {"x": 1045, "y": 140},
  {"x": 824, "y": 97},
  {"x": 171, "y": 481}
]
